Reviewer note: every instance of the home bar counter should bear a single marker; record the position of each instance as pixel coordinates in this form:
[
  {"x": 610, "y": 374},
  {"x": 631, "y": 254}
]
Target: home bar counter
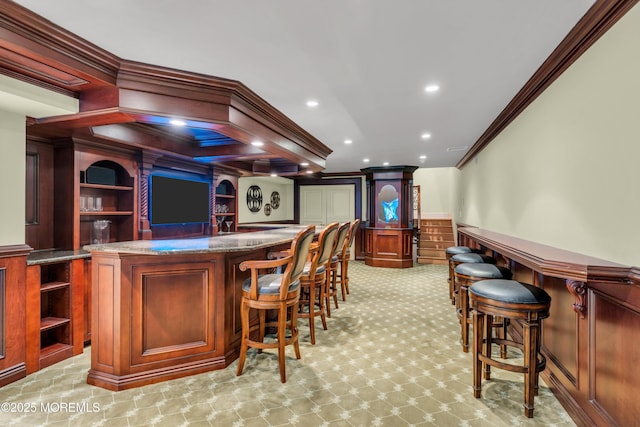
[
  {"x": 164, "y": 309},
  {"x": 591, "y": 336}
]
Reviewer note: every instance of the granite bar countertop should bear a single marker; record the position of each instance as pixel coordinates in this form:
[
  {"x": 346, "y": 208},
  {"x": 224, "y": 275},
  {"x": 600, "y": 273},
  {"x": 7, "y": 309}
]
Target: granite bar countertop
[
  {"x": 53, "y": 255},
  {"x": 265, "y": 225},
  {"x": 233, "y": 242}
]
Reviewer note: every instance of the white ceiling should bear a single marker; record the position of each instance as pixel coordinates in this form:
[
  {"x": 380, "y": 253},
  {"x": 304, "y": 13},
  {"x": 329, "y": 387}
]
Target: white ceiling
[{"x": 365, "y": 61}]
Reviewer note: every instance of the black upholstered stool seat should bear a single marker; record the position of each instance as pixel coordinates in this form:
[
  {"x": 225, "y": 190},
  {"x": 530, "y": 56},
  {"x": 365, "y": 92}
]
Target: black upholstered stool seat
[
  {"x": 510, "y": 291},
  {"x": 458, "y": 259},
  {"x": 465, "y": 275},
  {"x": 483, "y": 270},
  {"x": 473, "y": 257},
  {"x": 454, "y": 250},
  {"x": 514, "y": 300}
]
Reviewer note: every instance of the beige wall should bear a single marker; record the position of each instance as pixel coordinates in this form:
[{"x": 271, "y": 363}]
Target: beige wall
[
  {"x": 12, "y": 190},
  {"x": 566, "y": 172},
  {"x": 284, "y": 186},
  {"x": 17, "y": 100},
  {"x": 438, "y": 191}
]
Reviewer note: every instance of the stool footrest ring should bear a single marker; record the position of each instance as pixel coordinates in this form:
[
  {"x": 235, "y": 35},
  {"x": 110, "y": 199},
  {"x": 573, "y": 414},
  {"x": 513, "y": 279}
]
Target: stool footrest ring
[{"x": 540, "y": 366}]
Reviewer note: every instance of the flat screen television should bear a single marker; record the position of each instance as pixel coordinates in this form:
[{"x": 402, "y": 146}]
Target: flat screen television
[{"x": 178, "y": 200}]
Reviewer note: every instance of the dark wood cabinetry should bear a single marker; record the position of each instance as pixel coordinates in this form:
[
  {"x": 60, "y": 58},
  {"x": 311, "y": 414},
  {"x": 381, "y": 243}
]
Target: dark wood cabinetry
[
  {"x": 389, "y": 231},
  {"x": 588, "y": 339},
  {"x": 80, "y": 201},
  {"x": 225, "y": 205},
  {"x": 55, "y": 311}
]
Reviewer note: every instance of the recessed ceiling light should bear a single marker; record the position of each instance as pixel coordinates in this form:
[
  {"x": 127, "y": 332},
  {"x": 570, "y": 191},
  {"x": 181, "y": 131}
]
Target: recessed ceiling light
[
  {"x": 274, "y": 174},
  {"x": 348, "y": 141},
  {"x": 312, "y": 103},
  {"x": 425, "y": 136},
  {"x": 385, "y": 164},
  {"x": 365, "y": 160},
  {"x": 178, "y": 122},
  {"x": 257, "y": 143},
  {"x": 309, "y": 171},
  {"x": 432, "y": 88},
  {"x": 305, "y": 164},
  {"x": 423, "y": 157}
]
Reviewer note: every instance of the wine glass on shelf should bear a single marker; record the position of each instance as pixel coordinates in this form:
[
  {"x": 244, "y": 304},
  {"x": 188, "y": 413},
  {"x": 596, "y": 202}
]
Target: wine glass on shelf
[
  {"x": 219, "y": 220},
  {"x": 228, "y": 223}
]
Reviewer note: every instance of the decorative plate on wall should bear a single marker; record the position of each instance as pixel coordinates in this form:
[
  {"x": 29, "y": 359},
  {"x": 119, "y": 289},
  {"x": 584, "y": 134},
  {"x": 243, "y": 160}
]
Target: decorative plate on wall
[
  {"x": 267, "y": 209},
  {"x": 254, "y": 198},
  {"x": 275, "y": 200}
]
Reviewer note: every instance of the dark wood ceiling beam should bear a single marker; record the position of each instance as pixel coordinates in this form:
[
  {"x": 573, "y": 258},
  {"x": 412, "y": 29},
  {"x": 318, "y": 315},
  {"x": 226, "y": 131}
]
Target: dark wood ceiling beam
[
  {"x": 598, "y": 19},
  {"x": 43, "y": 45}
]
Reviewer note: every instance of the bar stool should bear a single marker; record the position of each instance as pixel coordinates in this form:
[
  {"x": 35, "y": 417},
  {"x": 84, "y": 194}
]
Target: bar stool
[
  {"x": 466, "y": 275},
  {"x": 313, "y": 281},
  {"x": 274, "y": 292},
  {"x": 513, "y": 300},
  {"x": 344, "y": 257},
  {"x": 463, "y": 258},
  {"x": 332, "y": 281},
  {"x": 451, "y": 251}
]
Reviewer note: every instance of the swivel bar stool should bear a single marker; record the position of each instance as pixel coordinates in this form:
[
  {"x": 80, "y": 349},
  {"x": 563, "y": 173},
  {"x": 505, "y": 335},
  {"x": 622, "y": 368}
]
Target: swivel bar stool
[
  {"x": 465, "y": 275},
  {"x": 451, "y": 251},
  {"x": 458, "y": 259},
  {"x": 516, "y": 301}
]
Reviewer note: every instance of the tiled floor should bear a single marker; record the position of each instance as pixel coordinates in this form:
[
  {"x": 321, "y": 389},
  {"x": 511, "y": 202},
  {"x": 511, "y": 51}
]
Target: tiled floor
[{"x": 390, "y": 358}]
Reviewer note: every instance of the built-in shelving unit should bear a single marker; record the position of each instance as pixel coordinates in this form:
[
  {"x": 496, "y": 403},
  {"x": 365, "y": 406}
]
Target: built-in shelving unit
[
  {"x": 55, "y": 338},
  {"x": 55, "y": 326},
  {"x": 113, "y": 202},
  {"x": 225, "y": 206}
]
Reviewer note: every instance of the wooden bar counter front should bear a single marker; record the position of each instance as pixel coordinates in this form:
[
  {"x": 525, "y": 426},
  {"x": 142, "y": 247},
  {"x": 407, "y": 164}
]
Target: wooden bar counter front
[{"x": 164, "y": 309}]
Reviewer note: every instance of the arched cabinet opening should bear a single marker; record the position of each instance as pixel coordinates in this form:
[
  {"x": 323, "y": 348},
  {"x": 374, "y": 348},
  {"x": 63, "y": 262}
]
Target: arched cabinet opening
[
  {"x": 107, "y": 203},
  {"x": 225, "y": 206}
]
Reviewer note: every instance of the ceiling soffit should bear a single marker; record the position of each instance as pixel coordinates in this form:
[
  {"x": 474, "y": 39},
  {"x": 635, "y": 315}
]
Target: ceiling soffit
[{"x": 119, "y": 93}]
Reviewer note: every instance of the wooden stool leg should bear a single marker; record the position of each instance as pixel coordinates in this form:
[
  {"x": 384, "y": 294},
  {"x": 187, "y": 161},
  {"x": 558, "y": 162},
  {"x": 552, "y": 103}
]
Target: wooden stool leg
[
  {"x": 262, "y": 316},
  {"x": 503, "y": 335},
  {"x": 345, "y": 278},
  {"x": 321, "y": 308},
  {"x": 529, "y": 336},
  {"x": 464, "y": 319},
  {"x": 451, "y": 284},
  {"x": 244, "y": 345},
  {"x": 282, "y": 338},
  {"x": 477, "y": 349},
  {"x": 294, "y": 329},
  {"x": 327, "y": 294},
  {"x": 538, "y": 347},
  {"x": 488, "y": 338},
  {"x": 334, "y": 287},
  {"x": 312, "y": 313}
]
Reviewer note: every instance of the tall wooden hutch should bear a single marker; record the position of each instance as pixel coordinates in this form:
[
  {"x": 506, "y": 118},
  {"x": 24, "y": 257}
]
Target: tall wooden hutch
[{"x": 389, "y": 229}]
